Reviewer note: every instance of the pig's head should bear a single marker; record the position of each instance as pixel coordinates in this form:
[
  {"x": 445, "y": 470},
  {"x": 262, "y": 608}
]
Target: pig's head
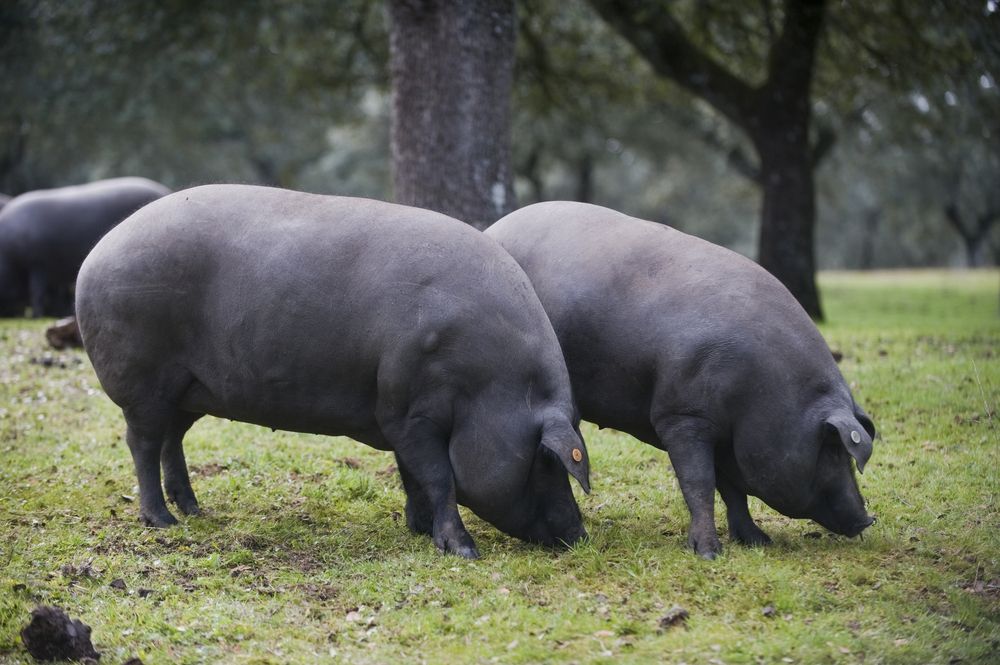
[
  {"x": 806, "y": 470},
  {"x": 525, "y": 491}
]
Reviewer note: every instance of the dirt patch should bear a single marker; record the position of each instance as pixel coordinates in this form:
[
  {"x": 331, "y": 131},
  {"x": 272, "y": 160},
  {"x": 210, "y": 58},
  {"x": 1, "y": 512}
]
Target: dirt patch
[
  {"x": 320, "y": 592},
  {"x": 53, "y": 635},
  {"x": 988, "y": 588},
  {"x": 211, "y": 469}
]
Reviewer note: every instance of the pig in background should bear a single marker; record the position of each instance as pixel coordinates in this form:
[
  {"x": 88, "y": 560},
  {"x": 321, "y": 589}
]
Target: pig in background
[
  {"x": 402, "y": 328},
  {"x": 46, "y": 234},
  {"x": 698, "y": 351}
]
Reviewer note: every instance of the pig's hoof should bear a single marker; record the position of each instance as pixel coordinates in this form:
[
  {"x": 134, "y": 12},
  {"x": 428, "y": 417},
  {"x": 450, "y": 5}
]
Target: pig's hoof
[
  {"x": 159, "y": 520},
  {"x": 750, "y": 535},
  {"x": 706, "y": 548},
  {"x": 460, "y": 544},
  {"x": 189, "y": 508},
  {"x": 185, "y": 501},
  {"x": 187, "y": 504}
]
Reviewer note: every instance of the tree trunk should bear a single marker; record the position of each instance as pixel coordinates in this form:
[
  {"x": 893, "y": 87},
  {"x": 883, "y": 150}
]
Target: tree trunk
[
  {"x": 786, "y": 246},
  {"x": 452, "y": 71},
  {"x": 779, "y": 128}
]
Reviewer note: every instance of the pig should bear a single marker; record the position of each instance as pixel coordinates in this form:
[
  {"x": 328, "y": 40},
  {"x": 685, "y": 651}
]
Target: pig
[
  {"x": 700, "y": 352},
  {"x": 45, "y": 235},
  {"x": 401, "y": 328}
]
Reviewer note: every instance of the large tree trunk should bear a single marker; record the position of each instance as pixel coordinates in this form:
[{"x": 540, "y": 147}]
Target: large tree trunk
[
  {"x": 774, "y": 114},
  {"x": 785, "y": 246},
  {"x": 452, "y": 70}
]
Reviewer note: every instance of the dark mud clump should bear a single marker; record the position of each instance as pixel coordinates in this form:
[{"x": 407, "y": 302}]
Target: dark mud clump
[{"x": 52, "y": 635}]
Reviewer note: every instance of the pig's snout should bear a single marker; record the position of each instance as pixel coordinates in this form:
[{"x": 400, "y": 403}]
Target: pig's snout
[
  {"x": 860, "y": 526},
  {"x": 850, "y": 530},
  {"x": 574, "y": 535}
]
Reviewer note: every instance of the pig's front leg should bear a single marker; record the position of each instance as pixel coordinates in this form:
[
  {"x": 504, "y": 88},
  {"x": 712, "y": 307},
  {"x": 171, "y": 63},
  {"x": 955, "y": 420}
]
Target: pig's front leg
[
  {"x": 424, "y": 464},
  {"x": 742, "y": 528},
  {"x": 419, "y": 514},
  {"x": 690, "y": 442}
]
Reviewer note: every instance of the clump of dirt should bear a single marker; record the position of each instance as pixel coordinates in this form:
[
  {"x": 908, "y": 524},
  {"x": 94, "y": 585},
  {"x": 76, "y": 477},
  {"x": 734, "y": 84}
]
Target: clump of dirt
[
  {"x": 350, "y": 462},
  {"x": 64, "y": 333},
  {"x": 675, "y": 616},
  {"x": 52, "y": 635}
]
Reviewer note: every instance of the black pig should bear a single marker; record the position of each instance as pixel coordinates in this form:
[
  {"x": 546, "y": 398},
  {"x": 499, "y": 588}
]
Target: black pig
[
  {"x": 699, "y": 351},
  {"x": 399, "y": 327}
]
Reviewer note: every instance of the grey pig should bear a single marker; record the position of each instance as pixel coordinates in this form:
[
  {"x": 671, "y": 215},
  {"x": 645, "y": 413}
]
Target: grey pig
[
  {"x": 402, "y": 328},
  {"x": 698, "y": 351},
  {"x": 46, "y": 234}
]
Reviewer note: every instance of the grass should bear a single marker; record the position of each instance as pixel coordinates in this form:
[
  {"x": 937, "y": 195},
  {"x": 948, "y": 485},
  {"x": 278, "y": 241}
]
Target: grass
[{"x": 303, "y": 556}]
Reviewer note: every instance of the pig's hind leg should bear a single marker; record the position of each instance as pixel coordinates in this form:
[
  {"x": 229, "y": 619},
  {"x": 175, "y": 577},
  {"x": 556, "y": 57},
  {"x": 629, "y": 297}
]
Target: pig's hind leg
[
  {"x": 146, "y": 429},
  {"x": 176, "y": 481},
  {"x": 154, "y": 432}
]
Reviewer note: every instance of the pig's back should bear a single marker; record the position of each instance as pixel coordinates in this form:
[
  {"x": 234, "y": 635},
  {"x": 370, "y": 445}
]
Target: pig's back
[{"x": 296, "y": 299}]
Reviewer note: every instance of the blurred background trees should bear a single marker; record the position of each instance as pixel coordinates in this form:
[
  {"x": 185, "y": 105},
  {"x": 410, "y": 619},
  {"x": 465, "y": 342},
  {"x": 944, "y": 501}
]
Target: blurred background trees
[{"x": 611, "y": 103}]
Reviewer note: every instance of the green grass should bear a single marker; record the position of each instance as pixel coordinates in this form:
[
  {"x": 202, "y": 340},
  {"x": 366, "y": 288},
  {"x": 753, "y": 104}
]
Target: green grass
[{"x": 303, "y": 556}]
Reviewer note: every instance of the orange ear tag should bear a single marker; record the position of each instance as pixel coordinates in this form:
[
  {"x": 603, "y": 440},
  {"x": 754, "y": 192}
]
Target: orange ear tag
[{"x": 577, "y": 455}]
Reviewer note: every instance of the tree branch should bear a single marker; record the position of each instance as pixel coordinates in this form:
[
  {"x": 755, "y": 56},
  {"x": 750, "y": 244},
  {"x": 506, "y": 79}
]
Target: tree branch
[{"x": 661, "y": 40}]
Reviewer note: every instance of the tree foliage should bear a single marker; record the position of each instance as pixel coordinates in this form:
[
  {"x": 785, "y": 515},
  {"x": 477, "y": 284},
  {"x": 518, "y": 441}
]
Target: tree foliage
[{"x": 904, "y": 98}]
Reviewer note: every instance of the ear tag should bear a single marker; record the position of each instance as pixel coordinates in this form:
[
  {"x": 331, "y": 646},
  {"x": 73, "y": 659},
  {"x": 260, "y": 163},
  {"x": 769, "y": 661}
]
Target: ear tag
[
  {"x": 577, "y": 455},
  {"x": 855, "y": 437}
]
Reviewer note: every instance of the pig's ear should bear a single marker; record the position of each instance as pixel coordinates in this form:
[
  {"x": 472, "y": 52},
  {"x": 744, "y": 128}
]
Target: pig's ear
[
  {"x": 852, "y": 433},
  {"x": 564, "y": 442}
]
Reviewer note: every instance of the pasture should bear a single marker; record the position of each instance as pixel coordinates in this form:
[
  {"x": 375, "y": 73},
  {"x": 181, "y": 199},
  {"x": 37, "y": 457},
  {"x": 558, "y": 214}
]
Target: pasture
[{"x": 303, "y": 555}]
